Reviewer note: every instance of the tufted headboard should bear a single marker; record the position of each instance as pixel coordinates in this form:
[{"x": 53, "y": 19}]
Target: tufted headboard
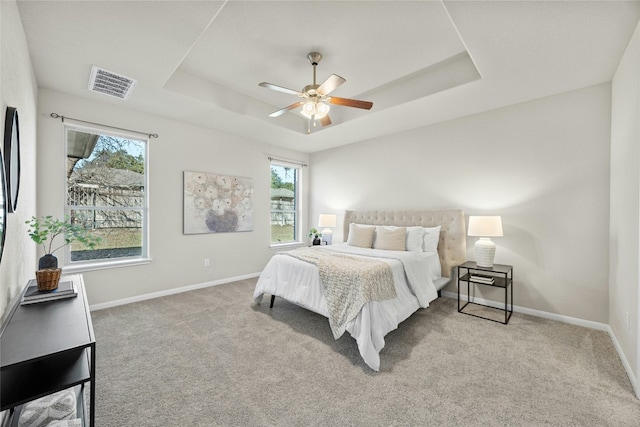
[{"x": 452, "y": 246}]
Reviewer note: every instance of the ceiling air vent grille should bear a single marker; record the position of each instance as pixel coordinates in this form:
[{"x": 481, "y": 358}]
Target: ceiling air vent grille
[{"x": 110, "y": 83}]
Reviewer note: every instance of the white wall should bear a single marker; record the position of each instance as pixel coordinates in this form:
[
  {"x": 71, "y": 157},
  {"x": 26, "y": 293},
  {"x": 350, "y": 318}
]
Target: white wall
[
  {"x": 542, "y": 165},
  {"x": 18, "y": 88},
  {"x": 625, "y": 203},
  {"x": 177, "y": 258}
]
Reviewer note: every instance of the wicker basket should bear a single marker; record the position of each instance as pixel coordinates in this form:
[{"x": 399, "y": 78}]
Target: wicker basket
[{"x": 48, "y": 278}]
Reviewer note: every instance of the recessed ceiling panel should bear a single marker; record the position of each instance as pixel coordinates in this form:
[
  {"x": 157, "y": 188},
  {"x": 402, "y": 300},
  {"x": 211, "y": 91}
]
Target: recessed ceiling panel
[{"x": 253, "y": 42}]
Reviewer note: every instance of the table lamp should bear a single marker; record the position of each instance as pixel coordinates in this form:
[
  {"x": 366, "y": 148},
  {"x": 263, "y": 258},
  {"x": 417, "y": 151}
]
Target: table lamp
[
  {"x": 485, "y": 227},
  {"x": 327, "y": 221}
]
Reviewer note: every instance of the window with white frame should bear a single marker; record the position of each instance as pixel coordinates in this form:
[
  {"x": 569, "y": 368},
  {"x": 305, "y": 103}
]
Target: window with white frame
[
  {"x": 106, "y": 193},
  {"x": 285, "y": 215}
]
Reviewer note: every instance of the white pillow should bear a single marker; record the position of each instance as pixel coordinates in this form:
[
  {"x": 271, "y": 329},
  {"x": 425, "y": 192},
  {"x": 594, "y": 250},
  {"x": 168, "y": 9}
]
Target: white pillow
[
  {"x": 415, "y": 236},
  {"x": 431, "y": 238},
  {"x": 77, "y": 422},
  {"x": 45, "y": 410},
  {"x": 360, "y": 235},
  {"x": 390, "y": 238}
]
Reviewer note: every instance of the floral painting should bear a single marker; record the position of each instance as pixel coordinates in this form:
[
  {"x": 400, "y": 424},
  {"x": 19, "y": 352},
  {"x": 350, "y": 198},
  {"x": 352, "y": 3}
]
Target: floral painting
[{"x": 217, "y": 203}]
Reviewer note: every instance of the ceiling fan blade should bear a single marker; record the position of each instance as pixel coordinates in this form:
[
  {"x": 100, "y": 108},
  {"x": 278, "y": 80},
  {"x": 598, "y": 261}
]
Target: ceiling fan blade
[
  {"x": 280, "y": 88},
  {"x": 285, "y": 109},
  {"x": 329, "y": 85},
  {"x": 325, "y": 121},
  {"x": 346, "y": 102}
]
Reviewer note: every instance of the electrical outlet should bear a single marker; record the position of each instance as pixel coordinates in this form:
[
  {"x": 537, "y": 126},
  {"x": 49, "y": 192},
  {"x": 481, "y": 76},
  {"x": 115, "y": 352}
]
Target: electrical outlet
[{"x": 206, "y": 262}]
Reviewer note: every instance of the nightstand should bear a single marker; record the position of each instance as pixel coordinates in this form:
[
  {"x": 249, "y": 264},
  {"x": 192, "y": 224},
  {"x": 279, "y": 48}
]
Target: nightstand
[{"x": 498, "y": 276}]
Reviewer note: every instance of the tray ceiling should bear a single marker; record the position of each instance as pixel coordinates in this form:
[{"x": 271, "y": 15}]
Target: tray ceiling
[{"x": 419, "y": 62}]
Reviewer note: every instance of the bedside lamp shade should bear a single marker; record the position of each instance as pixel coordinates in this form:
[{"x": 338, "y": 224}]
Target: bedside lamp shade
[
  {"x": 328, "y": 221},
  {"x": 485, "y": 227}
]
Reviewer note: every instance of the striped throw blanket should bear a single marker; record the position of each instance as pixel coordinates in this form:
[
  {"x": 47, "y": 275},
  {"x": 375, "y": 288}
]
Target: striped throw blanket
[{"x": 349, "y": 282}]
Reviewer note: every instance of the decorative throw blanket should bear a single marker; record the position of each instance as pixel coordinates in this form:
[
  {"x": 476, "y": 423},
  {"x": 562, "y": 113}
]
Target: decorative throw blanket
[
  {"x": 349, "y": 283},
  {"x": 55, "y": 407}
]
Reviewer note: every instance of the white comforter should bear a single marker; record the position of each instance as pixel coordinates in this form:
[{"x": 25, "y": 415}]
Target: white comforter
[{"x": 299, "y": 282}]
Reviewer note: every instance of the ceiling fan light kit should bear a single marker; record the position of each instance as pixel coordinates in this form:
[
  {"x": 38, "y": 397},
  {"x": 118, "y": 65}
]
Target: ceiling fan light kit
[{"x": 316, "y": 107}]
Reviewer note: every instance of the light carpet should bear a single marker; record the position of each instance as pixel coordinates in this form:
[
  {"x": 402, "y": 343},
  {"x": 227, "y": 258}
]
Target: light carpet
[{"x": 212, "y": 358}]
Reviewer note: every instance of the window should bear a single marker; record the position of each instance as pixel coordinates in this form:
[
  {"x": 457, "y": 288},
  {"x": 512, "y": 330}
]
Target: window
[
  {"x": 106, "y": 192},
  {"x": 285, "y": 216}
]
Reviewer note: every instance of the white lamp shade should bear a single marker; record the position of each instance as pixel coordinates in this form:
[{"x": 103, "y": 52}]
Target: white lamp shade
[
  {"x": 314, "y": 109},
  {"x": 485, "y": 226},
  {"x": 327, "y": 220},
  {"x": 308, "y": 109},
  {"x": 322, "y": 110}
]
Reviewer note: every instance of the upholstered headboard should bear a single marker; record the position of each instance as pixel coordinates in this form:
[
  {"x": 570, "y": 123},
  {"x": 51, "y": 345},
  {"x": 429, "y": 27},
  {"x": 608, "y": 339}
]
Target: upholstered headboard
[{"x": 452, "y": 246}]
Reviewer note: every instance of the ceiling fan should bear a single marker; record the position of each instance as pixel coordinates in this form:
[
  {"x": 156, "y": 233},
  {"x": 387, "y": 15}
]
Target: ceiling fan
[{"x": 316, "y": 99}]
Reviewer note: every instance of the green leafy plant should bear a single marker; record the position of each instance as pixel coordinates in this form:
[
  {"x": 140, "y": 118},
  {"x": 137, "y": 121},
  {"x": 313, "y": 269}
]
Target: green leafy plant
[
  {"x": 45, "y": 229},
  {"x": 314, "y": 233}
]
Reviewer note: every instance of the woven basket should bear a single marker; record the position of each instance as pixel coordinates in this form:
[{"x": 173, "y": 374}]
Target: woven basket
[{"x": 48, "y": 278}]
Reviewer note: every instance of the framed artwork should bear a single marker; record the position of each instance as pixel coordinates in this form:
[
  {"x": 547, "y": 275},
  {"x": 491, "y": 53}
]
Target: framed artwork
[
  {"x": 215, "y": 203},
  {"x": 3, "y": 206},
  {"x": 12, "y": 158}
]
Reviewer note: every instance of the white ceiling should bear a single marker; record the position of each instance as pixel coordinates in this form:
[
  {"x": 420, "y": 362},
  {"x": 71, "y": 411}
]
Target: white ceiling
[{"x": 419, "y": 62}]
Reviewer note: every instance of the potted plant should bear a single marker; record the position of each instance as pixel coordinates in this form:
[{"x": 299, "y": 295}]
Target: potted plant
[
  {"x": 44, "y": 231},
  {"x": 315, "y": 234}
]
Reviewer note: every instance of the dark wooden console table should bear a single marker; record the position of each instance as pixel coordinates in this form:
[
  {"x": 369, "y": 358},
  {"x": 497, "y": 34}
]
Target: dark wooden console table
[{"x": 45, "y": 348}]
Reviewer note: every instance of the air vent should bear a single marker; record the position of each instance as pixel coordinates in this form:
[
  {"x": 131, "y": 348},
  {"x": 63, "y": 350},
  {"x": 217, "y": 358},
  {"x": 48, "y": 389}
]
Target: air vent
[{"x": 110, "y": 83}]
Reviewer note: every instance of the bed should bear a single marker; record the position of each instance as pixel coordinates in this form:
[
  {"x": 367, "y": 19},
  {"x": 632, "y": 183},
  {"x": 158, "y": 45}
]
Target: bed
[{"x": 417, "y": 275}]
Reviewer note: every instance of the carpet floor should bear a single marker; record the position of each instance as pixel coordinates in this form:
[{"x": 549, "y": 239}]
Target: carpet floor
[{"x": 212, "y": 357}]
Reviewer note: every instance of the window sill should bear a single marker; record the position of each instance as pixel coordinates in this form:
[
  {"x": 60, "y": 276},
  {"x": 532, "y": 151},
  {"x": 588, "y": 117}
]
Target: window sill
[
  {"x": 103, "y": 265},
  {"x": 284, "y": 246}
]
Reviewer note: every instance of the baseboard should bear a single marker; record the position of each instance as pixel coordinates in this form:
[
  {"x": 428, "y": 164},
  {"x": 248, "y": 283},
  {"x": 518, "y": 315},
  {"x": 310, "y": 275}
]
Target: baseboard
[
  {"x": 625, "y": 362},
  {"x": 569, "y": 320},
  {"x": 168, "y": 292},
  {"x": 538, "y": 313}
]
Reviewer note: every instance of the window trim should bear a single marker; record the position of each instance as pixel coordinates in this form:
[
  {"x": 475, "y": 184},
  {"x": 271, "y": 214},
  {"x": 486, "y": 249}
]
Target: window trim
[
  {"x": 69, "y": 266},
  {"x": 298, "y": 205},
  {"x": 82, "y": 266}
]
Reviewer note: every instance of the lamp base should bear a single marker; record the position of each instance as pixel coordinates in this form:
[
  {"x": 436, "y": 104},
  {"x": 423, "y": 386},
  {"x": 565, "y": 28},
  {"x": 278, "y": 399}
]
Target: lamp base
[
  {"x": 485, "y": 252},
  {"x": 327, "y": 235}
]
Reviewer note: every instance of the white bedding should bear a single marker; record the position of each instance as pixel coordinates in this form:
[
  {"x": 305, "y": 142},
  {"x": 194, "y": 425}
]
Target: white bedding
[{"x": 299, "y": 282}]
